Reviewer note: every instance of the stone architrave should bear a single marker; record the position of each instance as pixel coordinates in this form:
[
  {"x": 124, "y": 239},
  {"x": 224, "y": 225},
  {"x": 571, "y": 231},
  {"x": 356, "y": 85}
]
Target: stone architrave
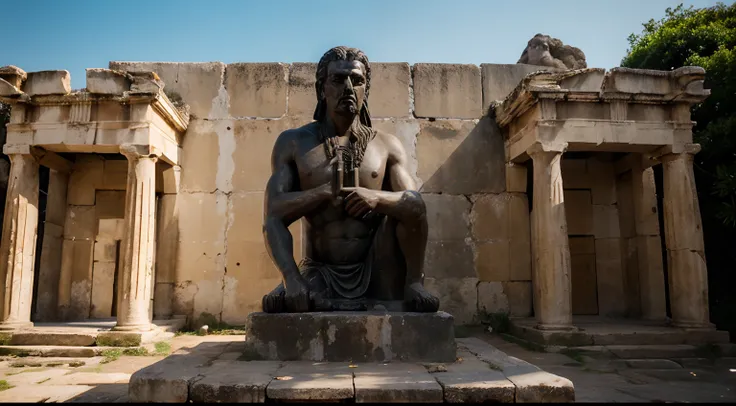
[
  {"x": 551, "y": 269},
  {"x": 18, "y": 244},
  {"x": 138, "y": 244},
  {"x": 683, "y": 226}
]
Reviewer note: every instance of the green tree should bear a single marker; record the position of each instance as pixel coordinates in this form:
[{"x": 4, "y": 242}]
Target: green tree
[
  {"x": 705, "y": 37},
  {"x": 701, "y": 37},
  {"x": 4, "y": 113}
]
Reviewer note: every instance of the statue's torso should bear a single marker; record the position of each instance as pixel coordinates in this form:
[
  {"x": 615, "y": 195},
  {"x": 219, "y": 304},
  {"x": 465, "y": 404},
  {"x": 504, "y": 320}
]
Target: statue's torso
[{"x": 332, "y": 235}]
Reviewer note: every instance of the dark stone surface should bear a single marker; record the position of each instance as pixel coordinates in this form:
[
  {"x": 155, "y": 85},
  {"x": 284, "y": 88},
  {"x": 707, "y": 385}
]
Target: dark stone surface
[{"x": 351, "y": 336}]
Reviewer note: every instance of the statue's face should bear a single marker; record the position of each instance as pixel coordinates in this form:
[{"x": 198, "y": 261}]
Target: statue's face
[
  {"x": 538, "y": 50},
  {"x": 344, "y": 89}
]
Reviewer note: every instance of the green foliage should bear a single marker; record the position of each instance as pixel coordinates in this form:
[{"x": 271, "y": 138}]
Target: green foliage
[
  {"x": 162, "y": 348},
  {"x": 498, "y": 321},
  {"x": 4, "y": 385},
  {"x": 707, "y": 38}
]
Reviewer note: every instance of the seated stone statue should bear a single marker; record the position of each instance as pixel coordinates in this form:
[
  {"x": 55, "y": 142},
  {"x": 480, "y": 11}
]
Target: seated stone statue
[{"x": 365, "y": 222}]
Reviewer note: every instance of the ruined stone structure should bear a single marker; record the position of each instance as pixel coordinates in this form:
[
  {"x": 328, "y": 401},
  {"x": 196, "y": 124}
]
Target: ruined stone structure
[{"x": 584, "y": 139}]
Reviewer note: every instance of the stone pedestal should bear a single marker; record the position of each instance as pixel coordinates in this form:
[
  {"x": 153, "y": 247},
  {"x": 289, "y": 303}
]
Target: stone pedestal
[
  {"x": 688, "y": 275},
  {"x": 18, "y": 243},
  {"x": 138, "y": 246},
  {"x": 351, "y": 336},
  {"x": 551, "y": 269}
]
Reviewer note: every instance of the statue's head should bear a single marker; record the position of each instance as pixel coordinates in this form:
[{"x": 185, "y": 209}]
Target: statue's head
[
  {"x": 538, "y": 48},
  {"x": 343, "y": 81}
]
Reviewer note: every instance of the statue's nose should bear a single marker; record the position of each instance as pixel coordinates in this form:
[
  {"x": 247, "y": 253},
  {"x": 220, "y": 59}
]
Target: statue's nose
[{"x": 348, "y": 86}]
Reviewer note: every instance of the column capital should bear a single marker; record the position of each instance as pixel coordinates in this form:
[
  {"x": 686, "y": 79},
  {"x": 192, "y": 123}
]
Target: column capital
[
  {"x": 17, "y": 149},
  {"x": 671, "y": 152},
  {"x": 135, "y": 152},
  {"x": 553, "y": 148}
]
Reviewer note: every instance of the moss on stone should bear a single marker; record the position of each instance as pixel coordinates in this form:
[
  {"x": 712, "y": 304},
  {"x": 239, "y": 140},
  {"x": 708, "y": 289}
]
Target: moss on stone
[{"x": 118, "y": 340}]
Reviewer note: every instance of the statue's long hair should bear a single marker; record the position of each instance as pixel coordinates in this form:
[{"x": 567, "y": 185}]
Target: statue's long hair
[{"x": 364, "y": 132}]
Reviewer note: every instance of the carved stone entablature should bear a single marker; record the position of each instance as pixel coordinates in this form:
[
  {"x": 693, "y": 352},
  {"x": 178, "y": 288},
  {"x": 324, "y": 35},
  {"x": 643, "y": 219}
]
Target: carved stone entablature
[
  {"x": 115, "y": 108},
  {"x": 622, "y": 110}
]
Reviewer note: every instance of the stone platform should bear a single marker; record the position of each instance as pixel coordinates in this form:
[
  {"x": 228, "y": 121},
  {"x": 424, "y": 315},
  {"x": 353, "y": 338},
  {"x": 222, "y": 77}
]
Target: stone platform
[
  {"x": 350, "y": 336},
  {"x": 480, "y": 373}
]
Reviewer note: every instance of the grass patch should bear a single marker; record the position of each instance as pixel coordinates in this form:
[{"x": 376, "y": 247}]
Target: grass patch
[
  {"x": 136, "y": 352},
  {"x": 25, "y": 370},
  {"x": 574, "y": 354},
  {"x": 494, "y": 366},
  {"x": 162, "y": 348},
  {"x": 4, "y": 385},
  {"x": 110, "y": 355}
]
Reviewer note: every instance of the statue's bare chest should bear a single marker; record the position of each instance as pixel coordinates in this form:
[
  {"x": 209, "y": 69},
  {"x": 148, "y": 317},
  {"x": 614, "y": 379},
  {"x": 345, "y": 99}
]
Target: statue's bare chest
[{"x": 314, "y": 167}]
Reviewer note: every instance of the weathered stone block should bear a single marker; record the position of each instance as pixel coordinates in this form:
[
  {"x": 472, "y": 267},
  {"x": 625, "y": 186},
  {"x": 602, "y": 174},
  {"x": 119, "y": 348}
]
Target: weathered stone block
[
  {"x": 406, "y": 130},
  {"x": 48, "y": 82},
  {"x": 111, "y": 229},
  {"x": 56, "y": 200},
  {"x": 48, "y": 273},
  {"x": 476, "y": 387},
  {"x": 449, "y": 259},
  {"x": 447, "y": 90},
  {"x": 251, "y": 154},
  {"x": 234, "y": 382},
  {"x": 609, "y": 276},
  {"x": 395, "y": 382},
  {"x": 447, "y": 216},
  {"x": 119, "y": 339},
  {"x": 84, "y": 179},
  {"x": 389, "y": 95},
  {"x": 80, "y": 223},
  {"x": 351, "y": 336},
  {"x": 489, "y": 217},
  {"x": 106, "y": 81},
  {"x": 115, "y": 175},
  {"x": 105, "y": 250},
  {"x": 326, "y": 383},
  {"x": 110, "y": 204},
  {"x": 605, "y": 221},
  {"x": 516, "y": 178},
  {"x": 167, "y": 380},
  {"x": 103, "y": 279},
  {"x": 67, "y": 338},
  {"x": 579, "y": 212},
  {"x": 302, "y": 94},
  {"x": 519, "y": 295},
  {"x": 198, "y": 84},
  {"x": 500, "y": 79},
  {"x": 257, "y": 89},
  {"x": 492, "y": 260},
  {"x": 75, "y": 281},
  {"x": 492, "y": 298},
  {"x": 540, "y": 386},
  {"x": 200, "y": 157},
  {"x": 575, "y": 173},
  {"x": 603, "y": 186},
  {"x": 461, "y": 157},
  {"x": 583, "y": 275},
  {"x": 458, "y": 296}
]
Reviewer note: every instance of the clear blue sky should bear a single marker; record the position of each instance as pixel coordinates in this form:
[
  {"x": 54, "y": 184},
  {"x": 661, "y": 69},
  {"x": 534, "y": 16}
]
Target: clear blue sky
[{"x": 79, "y": 34}]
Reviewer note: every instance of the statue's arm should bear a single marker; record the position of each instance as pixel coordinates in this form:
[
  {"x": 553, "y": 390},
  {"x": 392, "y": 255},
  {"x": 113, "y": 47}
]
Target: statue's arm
[{"x": 284, "y": 203}]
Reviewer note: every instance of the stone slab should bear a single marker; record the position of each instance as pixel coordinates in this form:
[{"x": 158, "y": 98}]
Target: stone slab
[
  {"x": 351, "y": 336},
  {"x": 166, "y": 381},
  {"x": 652, "y": 364},
  {"x": 50, "y": 351},
  {"x": 306, "y": 381},
  {"x": 541, "y": 386},
  {"x": 62, "y": 339},
  {"x": 395, "y": 382},
  {"x": 234, "y": 382},
  {"x": 653, "y": 351},
  {"x": 476, "y": 387},
  {"x": 89, "y": 378},
  {"x": 42, "y": 393}
]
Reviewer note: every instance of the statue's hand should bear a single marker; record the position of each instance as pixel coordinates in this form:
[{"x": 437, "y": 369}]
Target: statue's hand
[
  {"x": 297, "y": 294},
  {"x": 359, "y": 201}
]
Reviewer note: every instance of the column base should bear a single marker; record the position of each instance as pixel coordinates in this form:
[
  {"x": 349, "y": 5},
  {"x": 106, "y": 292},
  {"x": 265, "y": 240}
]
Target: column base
[
  {"x": 15, "y": 325},
  {"x": 555, "y": 327},
  {"x": 694, "y": 326},
  {"x": 134, "y": 327}
]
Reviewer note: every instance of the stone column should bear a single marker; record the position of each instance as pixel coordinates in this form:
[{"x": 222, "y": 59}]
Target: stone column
[
  {"x": 137, "y": 246},
  {"x": 688, "y": 275},
  {"x": 551, "y": 278},
  {"x": 18, "y": 243}
]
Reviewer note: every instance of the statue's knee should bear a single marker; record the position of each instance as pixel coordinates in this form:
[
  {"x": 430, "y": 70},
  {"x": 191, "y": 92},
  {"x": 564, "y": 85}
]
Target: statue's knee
[{"x": 417, "y": 209}]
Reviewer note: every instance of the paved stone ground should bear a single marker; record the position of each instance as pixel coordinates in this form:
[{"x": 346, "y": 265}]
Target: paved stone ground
[{"x": 596, "y": 380}]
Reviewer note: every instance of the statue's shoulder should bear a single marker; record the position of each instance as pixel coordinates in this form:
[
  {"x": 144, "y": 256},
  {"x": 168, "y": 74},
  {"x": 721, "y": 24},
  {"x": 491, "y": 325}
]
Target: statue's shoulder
[
  {"x": 392, "y": 142},
  {"x": 305, "y": 131}
]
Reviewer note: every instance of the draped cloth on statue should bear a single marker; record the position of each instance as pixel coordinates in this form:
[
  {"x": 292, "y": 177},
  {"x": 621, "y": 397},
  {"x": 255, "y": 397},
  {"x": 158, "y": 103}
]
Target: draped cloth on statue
[{"x": 339, "y": 281}]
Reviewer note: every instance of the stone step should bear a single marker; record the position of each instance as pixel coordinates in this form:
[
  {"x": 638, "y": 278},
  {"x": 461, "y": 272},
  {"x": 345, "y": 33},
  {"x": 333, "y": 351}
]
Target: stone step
[
  {"x": 631, "y": 352},
  {"x": 82, "y": 339},
  {"x": 52, "y": 351}
]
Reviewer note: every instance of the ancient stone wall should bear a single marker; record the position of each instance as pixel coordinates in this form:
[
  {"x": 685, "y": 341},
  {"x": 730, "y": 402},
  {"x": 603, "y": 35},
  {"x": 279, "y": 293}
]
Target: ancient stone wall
[{"x": 212, "y": 263}]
